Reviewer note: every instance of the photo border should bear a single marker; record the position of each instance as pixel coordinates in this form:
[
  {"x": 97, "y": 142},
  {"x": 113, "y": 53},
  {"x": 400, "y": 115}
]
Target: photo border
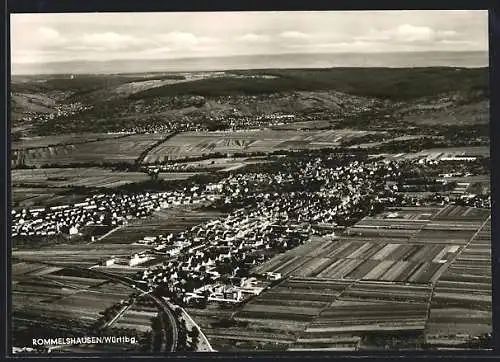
[{"x": 66, "y": 6}]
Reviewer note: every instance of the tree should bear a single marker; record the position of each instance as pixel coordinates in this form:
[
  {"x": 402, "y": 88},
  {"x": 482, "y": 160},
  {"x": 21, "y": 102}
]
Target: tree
[{"x": 195, "y": 337}]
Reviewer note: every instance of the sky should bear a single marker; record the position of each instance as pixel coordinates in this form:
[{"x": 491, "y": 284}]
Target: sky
[{"x": 42, "y": 38}]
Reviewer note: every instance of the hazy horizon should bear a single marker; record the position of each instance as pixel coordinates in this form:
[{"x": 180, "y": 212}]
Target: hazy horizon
[
  {"x": 39, "y": 40},
  {"x": 461, "y": 59}
]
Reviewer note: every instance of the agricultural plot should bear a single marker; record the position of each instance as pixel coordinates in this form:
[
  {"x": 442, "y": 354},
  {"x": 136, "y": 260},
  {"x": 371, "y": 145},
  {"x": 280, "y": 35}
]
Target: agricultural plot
[
  {"x": 346, "y": 323},
  {"x": 136, "y": 318},
  {"x": 46, "y": 141},
  {"x": 224, "y": 333},
  {"x": 391, "y": 282},
  {"x": 461, "y": 306},
  {"x": 304, "y": 125},
  {"x": 295, "y": 300},
  {"x": 219, "y": 164},
  {"x": 162, "y": 222},
  {"x": 392, "y": 223},
  {"x": 365, "y": 309},
  {"x": 51, "y": 293},
  {"x": 41, "y": 197},
  {"x": 26, "y": 197},
  {"x": 358, "y": 259},
  {"x": 399, "y": 225},
  {"x": 462, "y": 213},
  {"x": 274, "y": 319},
  {"x": 82, "y": 255},
  {"x": 198, "y": 144},
  {"x": 438, "y": 153},
  {"x": 86, "y": 177},
  {"x": 125, "y": 149}
]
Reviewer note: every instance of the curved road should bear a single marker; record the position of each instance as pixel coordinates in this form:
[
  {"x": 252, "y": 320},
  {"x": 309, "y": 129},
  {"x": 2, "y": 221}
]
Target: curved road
[
  {"x": 131, "y": 283},
  {"x": 159, "y": 302}
]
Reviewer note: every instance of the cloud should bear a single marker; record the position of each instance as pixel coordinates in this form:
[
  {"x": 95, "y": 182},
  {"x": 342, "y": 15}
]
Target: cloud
[
  {"x": 294, "y": 35},
  {"x": 254, "y": 38},
  {"x": 47, "y": 33},
  {"x": 160, "y": 50},
  {"x": 407, "y": 33},
  {"x": 179, "y": 39},
  {"x": 49, "y": 38},
  {"x": 111, "y": 41},
  {"x": 410, "y": 33},
  {"x": 447, "y": 33}
]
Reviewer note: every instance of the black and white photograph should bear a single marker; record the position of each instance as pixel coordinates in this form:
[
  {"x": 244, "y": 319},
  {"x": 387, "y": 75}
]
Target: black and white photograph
[{"x": 252, "y": 181}]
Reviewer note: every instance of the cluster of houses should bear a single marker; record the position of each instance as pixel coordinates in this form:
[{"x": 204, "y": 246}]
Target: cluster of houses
[
  {"x": 165, "y": 127},
  {"x": 173, "y": 167},
  {"x": 312, "y": 190},
  {"x": 213, "y": 261},
  {"x": 60, "y": 110},
  {"x": 314, "y": 193},
  {"x": 281, "y": 210},
  {"x": 100, "y": 210},
  {"x": 262, "y": 121},
  {"x": 244, "y": 122},
  {"x": 473, "y": 200}
]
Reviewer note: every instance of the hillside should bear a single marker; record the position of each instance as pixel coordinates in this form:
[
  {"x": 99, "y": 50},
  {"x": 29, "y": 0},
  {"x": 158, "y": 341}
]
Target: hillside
[
  {"x": 115, "y": 102},
  {"x": 383, "y": 83}
]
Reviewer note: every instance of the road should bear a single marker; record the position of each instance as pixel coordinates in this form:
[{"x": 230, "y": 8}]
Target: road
[
  {"x": 195, "y": 325},
  {"x": 108, "y": 233},
  {"x": 160, "y": 303},
  {"x": 117, "y": 316}
]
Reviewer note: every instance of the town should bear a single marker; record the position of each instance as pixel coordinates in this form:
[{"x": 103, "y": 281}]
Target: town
[{"x": 271, "y": 211}]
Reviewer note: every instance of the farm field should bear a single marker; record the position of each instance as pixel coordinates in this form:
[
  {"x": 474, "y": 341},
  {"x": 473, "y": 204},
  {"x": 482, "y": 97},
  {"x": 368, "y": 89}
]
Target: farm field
[
  {"x": 412, "y": 245},
  {"x": 45, "y": 298},
  {"x": 461, "y": 305},
  {"x": 191, "y": 144},
  {"x": 125, "y": 149},
  {"x": 240, "y": 335},
  {"x": 87, "y": 177},
  {"x": 219, "y": 164},
  {"x": 41, "y": 196},
  {"x": 138, "y": 318},
  {"x": 82, "y": 255},
  {"x": 438, "y": 153},
  {"x": 367, "y": 309},
  {"x": 355, "y": 260},
  {"x": 46, "y": 141},
  {"x": 353, "y": 291},
  {"x": 162, "y": 222},
  {"x": 470, "y": 179},
  {"x": 272, "y": 320},
  {"x": 52, "y": 292},
  {"x": 367, "y": 145}
]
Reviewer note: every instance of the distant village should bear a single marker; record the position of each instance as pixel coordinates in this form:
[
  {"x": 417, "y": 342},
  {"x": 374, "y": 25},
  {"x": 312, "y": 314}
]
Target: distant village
[{"x": 60, "y": 110}]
